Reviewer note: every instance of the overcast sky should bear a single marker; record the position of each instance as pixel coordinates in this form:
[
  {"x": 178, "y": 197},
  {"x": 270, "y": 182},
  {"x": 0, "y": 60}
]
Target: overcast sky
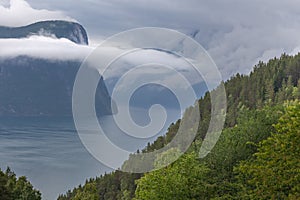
[{"x": 236, "y": 33}]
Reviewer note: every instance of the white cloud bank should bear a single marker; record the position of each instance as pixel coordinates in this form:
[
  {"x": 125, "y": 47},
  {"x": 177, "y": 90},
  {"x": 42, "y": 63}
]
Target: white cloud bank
[
  {"x": 20, "y": 13},
  {"x": 52, "y": 48},
  {"x": 43, "y": 47}
]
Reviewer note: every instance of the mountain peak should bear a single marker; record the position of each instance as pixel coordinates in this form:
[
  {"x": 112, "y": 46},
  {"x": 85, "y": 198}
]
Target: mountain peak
[{"x": 56, "y": 28}]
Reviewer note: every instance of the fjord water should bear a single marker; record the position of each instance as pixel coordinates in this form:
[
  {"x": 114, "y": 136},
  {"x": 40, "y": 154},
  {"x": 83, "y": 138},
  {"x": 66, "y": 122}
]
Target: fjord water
[{"x": 49, "y": 153}]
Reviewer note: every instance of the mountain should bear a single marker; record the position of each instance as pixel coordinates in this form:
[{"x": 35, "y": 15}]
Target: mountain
[
  {"x": 39, "y": 87},
  {"x": 255, "y": 103},
  {"x": 59, "y": 29}
]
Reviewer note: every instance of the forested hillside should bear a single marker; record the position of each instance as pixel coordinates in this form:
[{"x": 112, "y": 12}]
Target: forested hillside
[
  {"x": 256, "y": 157},
  {"x": 13, "y": 188}
]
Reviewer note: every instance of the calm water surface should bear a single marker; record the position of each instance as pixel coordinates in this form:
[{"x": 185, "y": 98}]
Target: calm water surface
[{"x": 49, "y": 152}]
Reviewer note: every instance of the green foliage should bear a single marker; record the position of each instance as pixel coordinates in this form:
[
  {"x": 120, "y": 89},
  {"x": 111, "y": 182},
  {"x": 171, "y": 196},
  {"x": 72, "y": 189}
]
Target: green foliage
[
  {"x": 166, "y": 158},
  {"x": 89, "y": 192},
  {"x": 185, "y": 179},
  {"x": 4, "y": 190},
  {"x": 114, "y": 186},
  {"x": 13, "y": 188},
  {"x": 274, "y": 172},
  {"x": 239, "y": 143}
]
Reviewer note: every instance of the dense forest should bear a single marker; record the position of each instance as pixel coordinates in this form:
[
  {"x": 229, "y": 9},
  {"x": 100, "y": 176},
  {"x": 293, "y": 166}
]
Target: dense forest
[
  {"x": 13, "y": 188},
  {"x": 256, "y": 157}
]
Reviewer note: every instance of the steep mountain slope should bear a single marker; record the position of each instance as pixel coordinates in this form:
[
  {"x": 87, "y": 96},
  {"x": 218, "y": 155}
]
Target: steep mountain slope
[{"x": 39, "y": 87}]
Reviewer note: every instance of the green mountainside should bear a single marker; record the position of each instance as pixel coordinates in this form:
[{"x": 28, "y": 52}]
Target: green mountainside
[{"x": 256, "y": 157}]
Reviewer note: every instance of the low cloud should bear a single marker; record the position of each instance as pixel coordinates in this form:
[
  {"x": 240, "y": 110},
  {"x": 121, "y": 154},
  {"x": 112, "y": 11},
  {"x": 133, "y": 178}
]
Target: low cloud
[
  {"x": 43, "y": 47},
  {"x": 52, "y": 48},
  {"x": 236, "y": 33},
  {"x": 19, "y": 13}
]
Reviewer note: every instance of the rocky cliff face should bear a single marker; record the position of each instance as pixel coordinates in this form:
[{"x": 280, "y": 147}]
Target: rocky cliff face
[
  {"x": 59, "y": 29},
  {"x": 38, "y": 87}
]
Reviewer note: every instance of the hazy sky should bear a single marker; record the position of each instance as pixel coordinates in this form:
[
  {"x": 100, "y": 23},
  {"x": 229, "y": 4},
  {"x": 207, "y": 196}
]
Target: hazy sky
[{"x": 236, "y": 33}]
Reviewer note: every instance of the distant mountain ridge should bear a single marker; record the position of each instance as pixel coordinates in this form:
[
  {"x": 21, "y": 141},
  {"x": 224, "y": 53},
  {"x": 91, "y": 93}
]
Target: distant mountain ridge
[{"x": 59, "y": 29}]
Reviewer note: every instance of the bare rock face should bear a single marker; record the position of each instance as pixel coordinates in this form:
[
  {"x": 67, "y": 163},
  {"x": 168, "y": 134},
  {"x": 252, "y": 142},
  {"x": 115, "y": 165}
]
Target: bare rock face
[{"x": 59, "y": 29}]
